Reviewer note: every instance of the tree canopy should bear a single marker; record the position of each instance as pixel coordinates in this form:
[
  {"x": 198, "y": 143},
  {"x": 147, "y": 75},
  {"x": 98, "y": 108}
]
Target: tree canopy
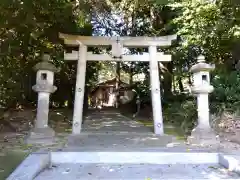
[{"x": 30, "y": 28}]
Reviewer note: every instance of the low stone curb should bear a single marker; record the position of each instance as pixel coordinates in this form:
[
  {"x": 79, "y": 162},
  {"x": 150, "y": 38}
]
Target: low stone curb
[
  {"x": 230, "y": 163},
  {"x": 31, "y": 167}
]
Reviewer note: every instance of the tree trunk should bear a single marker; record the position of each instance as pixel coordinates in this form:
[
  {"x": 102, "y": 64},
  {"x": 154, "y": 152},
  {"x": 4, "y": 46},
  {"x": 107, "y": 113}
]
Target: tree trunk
[
  {"x": 71, "y": 96},
  {"x": 117, "y": 83},
  {"x": 167, "y": 83},
  {"x": 85, "y": 102},
  {"x": 173, "y": 83},
  {"x": 180, "y": 84},
  {"x": 189, "y": 80},
  {"x": 131, "y": 74},
  {"x": 147, "y": 78}
]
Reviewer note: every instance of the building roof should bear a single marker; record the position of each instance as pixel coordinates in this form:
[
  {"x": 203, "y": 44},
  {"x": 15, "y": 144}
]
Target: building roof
[{"x": 111, "y": 83}]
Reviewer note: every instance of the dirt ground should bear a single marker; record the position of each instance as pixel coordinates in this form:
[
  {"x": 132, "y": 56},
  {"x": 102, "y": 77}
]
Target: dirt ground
[{"x": 12, "y": 147}]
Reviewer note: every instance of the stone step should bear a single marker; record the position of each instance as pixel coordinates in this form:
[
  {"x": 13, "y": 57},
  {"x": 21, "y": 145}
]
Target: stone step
[
  {"x": 135, "y": 157},
  {"x": 171, "y": 148},
  {"x": 135, "y": 172},
  {"x": 127, "y": 165}
]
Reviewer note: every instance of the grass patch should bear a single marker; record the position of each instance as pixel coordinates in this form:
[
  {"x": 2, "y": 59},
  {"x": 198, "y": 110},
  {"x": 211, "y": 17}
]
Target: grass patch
[
  {"x": 169, "y": 129},
  {"x": 146, "y": 123},
  {"x": 9, "y": 161}
]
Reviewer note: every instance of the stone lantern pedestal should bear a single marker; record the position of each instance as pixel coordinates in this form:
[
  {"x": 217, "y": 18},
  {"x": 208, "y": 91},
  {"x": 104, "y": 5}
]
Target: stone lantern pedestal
[
  {"x": 202, "y": 134},
  {"x": 41, "y": 132}
]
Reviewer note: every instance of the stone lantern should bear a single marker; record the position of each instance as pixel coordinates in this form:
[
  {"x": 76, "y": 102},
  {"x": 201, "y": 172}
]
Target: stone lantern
[
  {"x": 203, "y": 133},
  {"x": 44, "y": 87}
]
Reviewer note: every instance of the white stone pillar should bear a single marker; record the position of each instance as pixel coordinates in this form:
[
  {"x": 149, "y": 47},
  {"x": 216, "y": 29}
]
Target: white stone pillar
[
  {"x": 155, "y": 91},
  {"x": 203, "y": 111},
  {"x": 43, "y": 110},
  {"x": 79, "y": 91}
]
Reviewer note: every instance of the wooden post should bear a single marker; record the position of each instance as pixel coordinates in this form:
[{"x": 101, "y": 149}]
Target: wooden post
[
  {"x": 155, "y": 91},
  {"x": 79, "y": 91}
]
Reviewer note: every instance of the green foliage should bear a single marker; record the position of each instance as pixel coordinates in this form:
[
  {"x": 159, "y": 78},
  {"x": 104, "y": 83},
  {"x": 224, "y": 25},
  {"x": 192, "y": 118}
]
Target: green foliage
[
  {"x": 142, "y": 90},
  {"x": 28, "y": 29},
  {"x": 162, "y": 2},
  {"x": 181, "y": 113},
  {"x": 205, "y": 27},
  {"x": 226, "y": 95},
  {"x": 212, "y": 29}
]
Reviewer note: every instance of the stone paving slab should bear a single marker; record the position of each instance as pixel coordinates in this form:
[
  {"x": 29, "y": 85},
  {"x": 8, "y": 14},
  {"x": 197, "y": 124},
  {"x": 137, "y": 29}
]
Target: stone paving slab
[
  {"x": 104, "y": 131},
  {"x": 118, "y": 141},
  {"x": 112, "y": 121},
  {"x": 135, "y": 172}
]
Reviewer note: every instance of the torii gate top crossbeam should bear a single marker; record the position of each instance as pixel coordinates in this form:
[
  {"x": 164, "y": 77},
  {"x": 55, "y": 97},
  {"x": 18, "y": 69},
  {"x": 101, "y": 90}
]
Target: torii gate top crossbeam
[{"x": 74, "y": 40}]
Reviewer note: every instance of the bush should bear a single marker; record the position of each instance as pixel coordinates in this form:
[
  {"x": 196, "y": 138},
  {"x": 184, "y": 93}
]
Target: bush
[
  {"x": 226, "y": 95},
  {"x": 183, "y": 114}
]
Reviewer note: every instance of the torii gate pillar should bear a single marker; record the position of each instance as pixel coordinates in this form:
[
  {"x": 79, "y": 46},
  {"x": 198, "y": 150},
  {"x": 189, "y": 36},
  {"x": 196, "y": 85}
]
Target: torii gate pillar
[
  {"x": 155, "y": 91},
  {"x": 80, "y": 89}
]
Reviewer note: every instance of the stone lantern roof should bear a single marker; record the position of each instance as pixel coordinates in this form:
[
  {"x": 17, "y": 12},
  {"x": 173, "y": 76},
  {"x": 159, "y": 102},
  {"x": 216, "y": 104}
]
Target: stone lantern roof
[
  {"x": 45, "y": 64},
  {"x": 201, "y": 65}
]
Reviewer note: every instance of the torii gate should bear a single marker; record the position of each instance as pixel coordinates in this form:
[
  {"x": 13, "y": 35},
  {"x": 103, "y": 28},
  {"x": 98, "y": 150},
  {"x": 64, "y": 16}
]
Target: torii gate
[{"x": 117, "y": 44}]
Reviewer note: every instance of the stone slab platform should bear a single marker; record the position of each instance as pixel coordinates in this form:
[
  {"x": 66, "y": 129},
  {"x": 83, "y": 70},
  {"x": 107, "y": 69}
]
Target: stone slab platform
[
  {"x": 136, "y": 172},
  {"x": 105, "y": 165}
]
